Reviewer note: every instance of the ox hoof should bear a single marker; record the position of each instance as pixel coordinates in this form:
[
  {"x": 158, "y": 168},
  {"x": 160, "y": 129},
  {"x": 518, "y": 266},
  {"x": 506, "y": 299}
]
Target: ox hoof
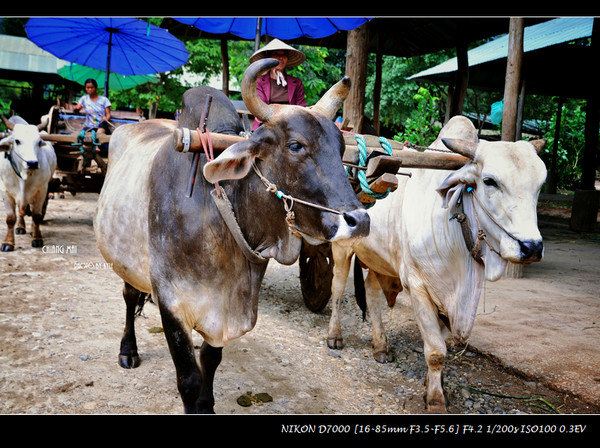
[
  {"x": 436, "y": 409},
  {"x": 7, "y": 247},
  {"x": 38, "y": 242},
  {"x": 129, "y": 361},
  {"x": 20, "y": 231},
  {"x": 383, "y": 357},
  {"x": 335, "y": 343}
]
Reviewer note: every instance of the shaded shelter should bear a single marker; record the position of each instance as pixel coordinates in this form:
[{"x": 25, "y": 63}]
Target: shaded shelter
[
  {"x": 557, "y": 61},
  {"x": 392, "y": 36},
  {"x": 22, "y": 60}
]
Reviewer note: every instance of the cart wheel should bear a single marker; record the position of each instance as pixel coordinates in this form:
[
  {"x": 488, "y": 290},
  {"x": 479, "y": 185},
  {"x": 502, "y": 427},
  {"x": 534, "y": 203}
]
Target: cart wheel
[{"x": 316, "y": 274}]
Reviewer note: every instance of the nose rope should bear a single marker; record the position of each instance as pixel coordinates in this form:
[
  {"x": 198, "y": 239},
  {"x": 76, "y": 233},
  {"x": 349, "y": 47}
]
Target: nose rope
[
  {"x": 271, "y": 187},
  {"x": 486, "y": 211}
]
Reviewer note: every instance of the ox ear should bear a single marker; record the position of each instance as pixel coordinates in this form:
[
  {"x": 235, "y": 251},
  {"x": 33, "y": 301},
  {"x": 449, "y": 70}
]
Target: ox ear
[
  {"x": 538, "y": 144},
  {"x": 233, "y": 163},
  {"x": 6, "y": 143},
  {"x": 451, "y": 187}
]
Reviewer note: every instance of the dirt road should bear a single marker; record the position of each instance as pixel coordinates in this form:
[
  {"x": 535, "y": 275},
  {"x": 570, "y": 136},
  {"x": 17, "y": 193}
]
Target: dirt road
[{"x": 62, "y": 315}]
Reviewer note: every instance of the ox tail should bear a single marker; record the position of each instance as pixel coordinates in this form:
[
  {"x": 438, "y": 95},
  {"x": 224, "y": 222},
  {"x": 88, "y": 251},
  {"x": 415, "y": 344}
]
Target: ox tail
[
  {"x": 359, "y": 288},
  {"x": 142, "y": 299}
]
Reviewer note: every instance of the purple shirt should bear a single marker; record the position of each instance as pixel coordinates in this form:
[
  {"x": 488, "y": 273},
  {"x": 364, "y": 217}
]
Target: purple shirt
[{"x": 295, "y": 92}]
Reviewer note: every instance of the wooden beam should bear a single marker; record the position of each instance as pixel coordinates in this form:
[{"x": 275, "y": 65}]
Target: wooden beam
[
  {"x": 225, "y": 62},
  {"x": 356, "y": 68},
  {"x": 380, "y": 186},
  {"x": 415, "y": 159},
  {"x": 512, "y": 81},
  {"x": 377, "y": 86}
]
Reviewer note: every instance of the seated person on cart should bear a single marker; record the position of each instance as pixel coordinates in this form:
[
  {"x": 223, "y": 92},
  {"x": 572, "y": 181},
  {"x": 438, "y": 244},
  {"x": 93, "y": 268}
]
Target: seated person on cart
[{"x": 97, "y": 110}]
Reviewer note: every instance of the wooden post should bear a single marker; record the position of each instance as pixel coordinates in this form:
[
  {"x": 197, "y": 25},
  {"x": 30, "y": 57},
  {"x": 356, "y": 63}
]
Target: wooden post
[
  {"x": 377, "y": 86},
  {"x": 553, "y": 178},
  {"x": 225, "y": 62},
  {"x": 513, "y": 78},
  {"x": 521, "y": 103},
  {"x": 450, "y": 94},
  {"x": 356, "y": 67},
  {"x": 257, "y": 35},
  {"x": 462, "y": 78},
  {"x": 585, "y": 203},
  {"x": 512, "y": 85}
]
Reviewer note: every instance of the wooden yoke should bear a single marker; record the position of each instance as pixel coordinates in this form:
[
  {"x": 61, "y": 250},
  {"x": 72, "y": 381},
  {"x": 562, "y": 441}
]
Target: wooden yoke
[{"x": 407, "y": 159}]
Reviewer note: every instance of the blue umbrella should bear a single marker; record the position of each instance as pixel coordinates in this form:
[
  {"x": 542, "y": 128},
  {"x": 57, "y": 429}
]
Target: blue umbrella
[
  {"x": 123, "y": 45},
  {"x": 279, "y": 27}
]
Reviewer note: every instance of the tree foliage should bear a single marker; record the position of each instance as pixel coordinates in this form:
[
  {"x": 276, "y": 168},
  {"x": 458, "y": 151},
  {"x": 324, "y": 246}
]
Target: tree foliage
[{"x": 570, "y": 144}]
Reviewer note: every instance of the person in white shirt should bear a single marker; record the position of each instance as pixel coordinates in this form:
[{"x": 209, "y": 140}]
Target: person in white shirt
[{"x": 97, "y": 112}]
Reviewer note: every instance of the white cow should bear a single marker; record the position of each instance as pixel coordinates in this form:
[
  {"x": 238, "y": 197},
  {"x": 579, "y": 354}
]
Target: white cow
[
  {"x": 416, "y": 241},
  {"x": 26, "y": 167}
]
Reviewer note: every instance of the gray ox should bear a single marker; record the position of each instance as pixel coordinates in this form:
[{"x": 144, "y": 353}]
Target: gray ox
[
  {"x": 179, "y": 249},
  {"x": 25, "y": 170},
  {"x": 415, "y": 243}
]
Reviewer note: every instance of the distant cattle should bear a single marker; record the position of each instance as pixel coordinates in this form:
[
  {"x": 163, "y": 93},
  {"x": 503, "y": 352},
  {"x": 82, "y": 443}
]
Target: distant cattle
[
  {"x": 25, "y": 169},
  {"x": 179, "y": 249},
  {"x": 440, "y": 236}
]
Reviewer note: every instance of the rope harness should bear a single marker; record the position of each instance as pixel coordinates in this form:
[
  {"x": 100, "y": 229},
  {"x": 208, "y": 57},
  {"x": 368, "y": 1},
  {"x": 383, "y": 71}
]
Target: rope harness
[
  {"x": 8, "y": 155},
  {"x": 474, "y": 248},
  {"x": 362, "y": 163},
  {"x": 226, "y": 209}
]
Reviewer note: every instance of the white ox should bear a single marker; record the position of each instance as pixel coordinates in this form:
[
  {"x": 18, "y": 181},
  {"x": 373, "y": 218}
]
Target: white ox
[
  {"x": 26, "y": 167},
  {"x": 415, "y": 244}
]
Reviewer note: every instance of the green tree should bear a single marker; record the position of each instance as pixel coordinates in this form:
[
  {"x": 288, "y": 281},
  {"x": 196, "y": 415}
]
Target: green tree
[
  {"x": 570, "y": 145},
  {"x": 422, "y": 126}
]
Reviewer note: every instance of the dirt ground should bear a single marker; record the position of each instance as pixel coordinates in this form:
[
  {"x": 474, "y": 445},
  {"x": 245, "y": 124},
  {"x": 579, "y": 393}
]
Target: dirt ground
[{"x": 62, "y": 316}]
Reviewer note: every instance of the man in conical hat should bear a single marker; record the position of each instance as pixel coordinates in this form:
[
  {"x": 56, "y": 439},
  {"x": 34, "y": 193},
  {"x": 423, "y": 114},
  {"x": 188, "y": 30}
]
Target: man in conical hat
[{"x": 276, "y": 86}]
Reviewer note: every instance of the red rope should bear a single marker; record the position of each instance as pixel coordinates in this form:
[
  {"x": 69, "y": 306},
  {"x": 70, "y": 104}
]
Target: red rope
[{"x": 207, "y": 145}]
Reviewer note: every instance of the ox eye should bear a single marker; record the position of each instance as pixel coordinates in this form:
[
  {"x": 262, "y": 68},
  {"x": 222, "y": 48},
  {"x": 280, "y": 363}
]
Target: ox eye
[
  {"x": 295, "y": 146},
  {"x": 40, "y": 143},
  {"x": 490, "y": 182},
  {"x": 17, "y": 142}
]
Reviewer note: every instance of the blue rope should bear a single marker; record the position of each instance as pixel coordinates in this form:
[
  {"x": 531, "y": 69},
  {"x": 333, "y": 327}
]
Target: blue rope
[{"x": 362, "y": 161}]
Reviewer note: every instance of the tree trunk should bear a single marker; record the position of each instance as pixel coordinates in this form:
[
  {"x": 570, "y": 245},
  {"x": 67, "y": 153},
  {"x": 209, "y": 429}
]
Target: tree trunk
[
  {"x": 225, "y": 61},
  {"x": 356, "y": 69},
  {"x": 377, "y": 87},
  {"x": 152, "y": 111},
  {"x": 553, "y": 178},
  {"x": 513, "y": 79}
]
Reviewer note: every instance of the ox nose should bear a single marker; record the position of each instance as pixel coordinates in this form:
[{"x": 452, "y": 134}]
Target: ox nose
[
  {"x": 531, "y": 250},
  {"x": 32, "y": 165},
  {"x": 358, "y": 222}
]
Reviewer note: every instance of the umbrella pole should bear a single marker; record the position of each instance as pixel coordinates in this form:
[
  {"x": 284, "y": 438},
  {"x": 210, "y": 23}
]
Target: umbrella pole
[
  {"x": 257, "y": 36},
  {"x": 108, "y": 64}
]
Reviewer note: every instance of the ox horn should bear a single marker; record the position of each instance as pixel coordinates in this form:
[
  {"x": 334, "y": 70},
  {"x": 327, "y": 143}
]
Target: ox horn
[
  {"x": 264, "y": 112},
  {"x": 9, "y": 124},
  {"x": 329, "y": 103},
  {"x": 463, "y": 147},
  {"x": 538, "y": 144},
  {"x": 44, "y": 123}
]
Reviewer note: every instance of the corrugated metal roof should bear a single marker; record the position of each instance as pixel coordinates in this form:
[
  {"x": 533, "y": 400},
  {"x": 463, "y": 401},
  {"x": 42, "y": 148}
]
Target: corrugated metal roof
[
  {"x": 19, "y": 53},
  {"x": 546, "y": 34}
]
